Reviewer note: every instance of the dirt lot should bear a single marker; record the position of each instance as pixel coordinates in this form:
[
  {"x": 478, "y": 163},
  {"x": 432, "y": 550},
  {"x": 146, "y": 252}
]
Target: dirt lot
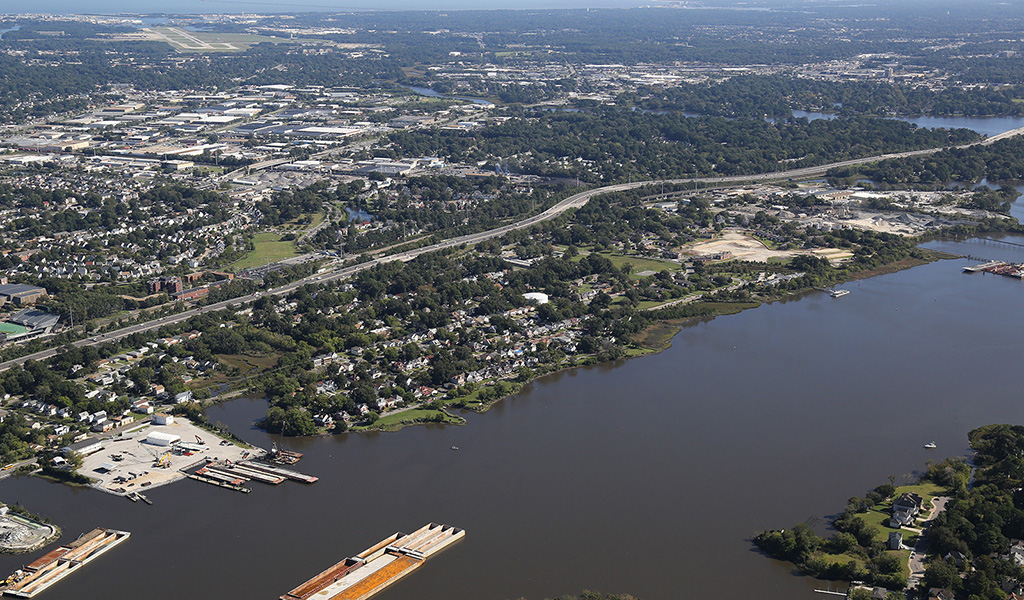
[
  {"x": 136, "y": 470},
  {"x": 745, "y": 247}
]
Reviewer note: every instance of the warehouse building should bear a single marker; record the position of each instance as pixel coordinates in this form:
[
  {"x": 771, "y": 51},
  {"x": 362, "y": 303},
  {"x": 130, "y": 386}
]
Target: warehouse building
[
  {"x": 21, "y": 294},
  {"x": 159, "y": 438}
]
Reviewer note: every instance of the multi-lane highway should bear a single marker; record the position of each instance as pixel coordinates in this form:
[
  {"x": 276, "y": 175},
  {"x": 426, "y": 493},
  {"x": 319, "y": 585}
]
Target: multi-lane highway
[{"x": 574, "y": 201}]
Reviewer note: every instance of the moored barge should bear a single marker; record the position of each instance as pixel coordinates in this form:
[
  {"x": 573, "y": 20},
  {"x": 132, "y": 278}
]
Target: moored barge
[{"x": 377, "y": 567}]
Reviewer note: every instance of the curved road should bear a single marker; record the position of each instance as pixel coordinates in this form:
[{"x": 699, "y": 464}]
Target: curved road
[{"x": 574, "y": 201}]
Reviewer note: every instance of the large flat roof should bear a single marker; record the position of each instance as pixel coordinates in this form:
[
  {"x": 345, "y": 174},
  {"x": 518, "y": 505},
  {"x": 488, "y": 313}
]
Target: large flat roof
[
  {"x": 33, "y": 318},
  {"x": 12, "y": 289}
]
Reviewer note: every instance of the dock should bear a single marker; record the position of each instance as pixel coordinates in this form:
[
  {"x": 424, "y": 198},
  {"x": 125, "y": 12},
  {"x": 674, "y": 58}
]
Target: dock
[
  {"x": 982, "y": 267},
  {"x": 279, "y": 471},
  {"x": 377, "y": 567},
  {"x": 238, "y": 471},
  {"x": 998, "y": 267},
  {"x": 207, "y": 478},
  {"x": 234, "y": 475},
  {"x": 59, "y": 563}
]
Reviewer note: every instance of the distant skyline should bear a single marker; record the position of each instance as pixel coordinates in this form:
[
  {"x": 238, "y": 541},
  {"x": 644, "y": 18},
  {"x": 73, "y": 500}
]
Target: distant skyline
[
  {"x": 277, "y": 6},
  {"x": 287, "y": 6}
]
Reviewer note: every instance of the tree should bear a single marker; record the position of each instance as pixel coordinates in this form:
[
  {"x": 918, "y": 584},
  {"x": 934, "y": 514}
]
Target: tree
[
  {"x": 940, "y": 574},
  {"x": 298, "y": 422}
]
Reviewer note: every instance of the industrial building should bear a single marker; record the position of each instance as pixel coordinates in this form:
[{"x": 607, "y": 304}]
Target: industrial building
[
  {"x": 21, "y": 294},
  {"x": 85, "y": 447},
  {"x": 159, "y": 438}
]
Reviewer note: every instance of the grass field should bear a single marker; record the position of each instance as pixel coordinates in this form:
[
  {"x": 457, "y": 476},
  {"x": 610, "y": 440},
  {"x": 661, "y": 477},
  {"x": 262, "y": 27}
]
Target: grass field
[
  {"x": 880, "y": 513},
  {"x": 249, "y": 364},
  {"x": 183, "y": 40},
  {"x": 294, "y": 225},
  {"x": 639, "y": 264},
  {"x": 269, "y": 248},
  {"x": 409, "y": 416}
]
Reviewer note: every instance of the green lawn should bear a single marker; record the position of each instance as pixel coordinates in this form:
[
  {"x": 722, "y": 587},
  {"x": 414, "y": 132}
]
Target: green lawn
[
  {"x": 407, "y": 417},
  {"x": 316, "y": 219},
  {"x": 645, "y": 304},
  {"x": 639, "y": 264},
  {"x": 269, "y": 248},
  {"x": 844, "y": 558},
  {"x": 880, "y": 513}
]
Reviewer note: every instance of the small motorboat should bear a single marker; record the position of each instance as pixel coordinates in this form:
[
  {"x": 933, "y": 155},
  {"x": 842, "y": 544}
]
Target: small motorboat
[
  {"x": 930, "y": 445},
  {"x": 455, "y": 447}
]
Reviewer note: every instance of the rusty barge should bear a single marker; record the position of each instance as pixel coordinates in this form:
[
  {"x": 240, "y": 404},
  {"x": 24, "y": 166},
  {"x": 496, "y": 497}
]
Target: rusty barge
[
  {"x": 377, "y": 567},
  {"x": 59, "y": 563}
]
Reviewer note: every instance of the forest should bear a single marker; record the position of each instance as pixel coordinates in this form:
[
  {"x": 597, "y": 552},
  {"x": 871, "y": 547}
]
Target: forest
[
  {"x": 777, "y": 96},
  {"x": 999, "y": 161},
  {"x": 612, "y": 145}
]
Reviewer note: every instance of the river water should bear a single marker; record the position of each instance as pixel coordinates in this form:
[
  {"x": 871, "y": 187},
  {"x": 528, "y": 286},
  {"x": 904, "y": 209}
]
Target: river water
[
  {"x": 984, "y": 125},
  {"x": 645, "y": 477}
]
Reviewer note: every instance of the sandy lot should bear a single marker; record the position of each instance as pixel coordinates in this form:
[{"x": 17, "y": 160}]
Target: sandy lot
[
  {"x": 137, "y": 464},
  {"x": 744, "y": 247}
]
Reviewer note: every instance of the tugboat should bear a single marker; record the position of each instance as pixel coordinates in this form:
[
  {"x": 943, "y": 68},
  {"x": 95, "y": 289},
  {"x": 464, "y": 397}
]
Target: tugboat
[{"x": 930, "y": 445}]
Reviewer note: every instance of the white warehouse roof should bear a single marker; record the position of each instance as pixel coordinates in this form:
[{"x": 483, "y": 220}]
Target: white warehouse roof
[{"x": 159, "y": 438}]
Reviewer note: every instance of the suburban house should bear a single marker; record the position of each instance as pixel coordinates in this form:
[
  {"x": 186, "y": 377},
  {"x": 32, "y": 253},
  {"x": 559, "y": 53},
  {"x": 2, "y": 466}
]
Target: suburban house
[
  {"x": 895, "y": 540},
  {"x": 905, "y": 509}
]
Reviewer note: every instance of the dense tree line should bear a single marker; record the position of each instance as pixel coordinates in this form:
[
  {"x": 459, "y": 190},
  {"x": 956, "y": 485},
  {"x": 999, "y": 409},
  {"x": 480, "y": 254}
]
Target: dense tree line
[
  {"x": 610, "y": 144},
  {"x": 1000, "y": 161},
  {"x": 778, "y": 96}
]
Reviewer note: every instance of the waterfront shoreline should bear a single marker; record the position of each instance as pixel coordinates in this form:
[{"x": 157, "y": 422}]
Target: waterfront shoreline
[{"x": 666, "y": 330}]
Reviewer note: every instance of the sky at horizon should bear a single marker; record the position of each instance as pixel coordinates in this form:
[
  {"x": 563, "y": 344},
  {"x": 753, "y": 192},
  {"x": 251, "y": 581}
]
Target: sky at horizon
[
  {"x": 301, "y": 6},
  {"x": 278, "y": 6}
]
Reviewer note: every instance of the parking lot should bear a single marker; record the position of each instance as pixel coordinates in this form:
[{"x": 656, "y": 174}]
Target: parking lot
[{"x": 129, "y": 463}]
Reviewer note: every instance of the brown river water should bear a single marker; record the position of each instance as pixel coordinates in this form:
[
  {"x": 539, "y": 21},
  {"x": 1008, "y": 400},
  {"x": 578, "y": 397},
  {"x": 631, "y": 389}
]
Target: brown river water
[{"x": 645, "y": 477}]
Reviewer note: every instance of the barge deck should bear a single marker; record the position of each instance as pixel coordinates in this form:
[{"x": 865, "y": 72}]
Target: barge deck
[
  {"x": 59, "y": 563},
  {"x": 377, "y": 567}
]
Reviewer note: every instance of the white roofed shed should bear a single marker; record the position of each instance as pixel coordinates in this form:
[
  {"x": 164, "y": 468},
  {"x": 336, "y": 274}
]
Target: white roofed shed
[{"x": 159, "y": 438}]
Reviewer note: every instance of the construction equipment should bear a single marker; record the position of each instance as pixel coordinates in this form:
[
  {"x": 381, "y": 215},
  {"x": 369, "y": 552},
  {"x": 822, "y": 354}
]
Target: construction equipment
[
  {"x": 164, "y": 461},
  {"x": 199, "y": 440}
]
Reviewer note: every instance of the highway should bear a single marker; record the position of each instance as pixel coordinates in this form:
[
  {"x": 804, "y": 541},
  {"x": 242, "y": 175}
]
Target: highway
[{"x": 572, "y": 202}]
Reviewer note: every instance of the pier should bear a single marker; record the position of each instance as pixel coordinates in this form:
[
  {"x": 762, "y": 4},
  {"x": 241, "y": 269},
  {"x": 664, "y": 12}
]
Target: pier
[
  {"x": 59, "y": 563},
  {"x": 234, "y": 475},
  {"x": 206, "y": 478},
  {"x": 999, "y": 267},
  {"x": 983, "y": 267},
  {"x": 238, "y": 471},
  {"x": 280, "y": 471},
  {"x": 380, "y": 565}
]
